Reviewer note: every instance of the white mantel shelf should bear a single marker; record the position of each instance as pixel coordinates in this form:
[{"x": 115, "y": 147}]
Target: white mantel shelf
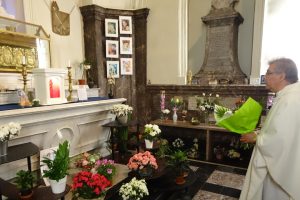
[{"x": 80, "y": 124}]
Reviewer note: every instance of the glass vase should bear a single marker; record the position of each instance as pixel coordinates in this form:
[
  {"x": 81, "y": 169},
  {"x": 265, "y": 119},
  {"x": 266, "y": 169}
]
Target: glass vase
[{"x": 175, "y": 115}]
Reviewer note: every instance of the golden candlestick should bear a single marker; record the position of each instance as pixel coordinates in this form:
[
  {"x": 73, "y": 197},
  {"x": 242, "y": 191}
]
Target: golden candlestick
[
  {"x": 24, "y": 75},
  {"x": 69, "y": 98}
]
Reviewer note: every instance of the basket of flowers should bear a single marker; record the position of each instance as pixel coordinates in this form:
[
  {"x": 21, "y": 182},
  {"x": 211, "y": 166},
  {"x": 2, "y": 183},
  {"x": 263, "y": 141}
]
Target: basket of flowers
[
  {"x": 134, "y": 190},
  {"x": 88, "y": 185},
  {"x": 143, "y": 163},
  {"x": 106, "y": 168}
]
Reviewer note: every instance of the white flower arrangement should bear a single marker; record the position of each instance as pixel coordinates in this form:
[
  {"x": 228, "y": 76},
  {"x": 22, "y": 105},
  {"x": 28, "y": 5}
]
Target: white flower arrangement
[
  {"x": 135, "y": 189},
  {"x": 9, "y": 131},
  {"x": 206, "y": 103},
  {"x": 151, "y": 131},
  {"x": 165, "y": 111},
  {"x": 121, "y": 110},
  {"x": 178, "y": 143}
]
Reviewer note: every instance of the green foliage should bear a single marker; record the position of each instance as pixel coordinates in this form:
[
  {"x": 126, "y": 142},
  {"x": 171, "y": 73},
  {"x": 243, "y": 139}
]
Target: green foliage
[
  {"x": 163, "y": 149},
  {"x": 220, "y": 111},
  {"x": 24, "y": 180},
  {"x": 178, "y": 159},
  {"x": 58, "y": 168}
]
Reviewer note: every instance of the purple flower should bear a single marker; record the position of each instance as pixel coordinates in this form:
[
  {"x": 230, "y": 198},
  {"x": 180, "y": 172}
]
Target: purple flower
[{"x": 109, "y": 171}]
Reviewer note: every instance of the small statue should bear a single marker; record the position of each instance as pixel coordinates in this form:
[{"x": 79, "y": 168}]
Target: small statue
[
  {"x": 111, "y": 83},
  {"x": 189, "y": 77}
]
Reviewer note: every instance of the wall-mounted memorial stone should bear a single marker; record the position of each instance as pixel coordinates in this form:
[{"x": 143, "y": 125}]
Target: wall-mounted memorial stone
[{"x": 220, "y": 65}]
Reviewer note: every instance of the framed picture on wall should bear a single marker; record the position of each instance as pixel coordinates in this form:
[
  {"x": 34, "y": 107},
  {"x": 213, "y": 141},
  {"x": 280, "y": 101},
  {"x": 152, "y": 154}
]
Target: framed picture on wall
[
  {"x": 111, "y": 28},
  {"x": 112, "y": 69},
  {"x": 126, "y": 66},
  {"x": 126, "y": 45},
  {"x": 125, "y": 23},
  {"x": 112, "y": 48},
  {"x": 262, "y": 79}
]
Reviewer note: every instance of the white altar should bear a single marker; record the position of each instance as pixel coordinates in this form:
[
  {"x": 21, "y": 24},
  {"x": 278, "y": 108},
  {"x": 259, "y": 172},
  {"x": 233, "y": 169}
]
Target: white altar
[{"x": 79, "y": 123}]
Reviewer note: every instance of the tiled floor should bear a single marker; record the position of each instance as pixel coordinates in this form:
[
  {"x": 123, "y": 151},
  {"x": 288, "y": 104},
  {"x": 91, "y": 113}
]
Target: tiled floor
[{"x": 217, "y": 182}]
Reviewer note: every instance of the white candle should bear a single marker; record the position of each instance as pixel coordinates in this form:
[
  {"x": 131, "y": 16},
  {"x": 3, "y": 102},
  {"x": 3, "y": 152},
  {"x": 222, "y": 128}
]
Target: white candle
[
  {"x": 23, "y": 60},
  {"x": 69, "y": 64}
]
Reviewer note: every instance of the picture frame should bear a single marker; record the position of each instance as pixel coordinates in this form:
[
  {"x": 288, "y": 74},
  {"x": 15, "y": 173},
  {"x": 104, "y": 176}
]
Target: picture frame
[
  {"x": 125, "y": 23},
  {"x": 111, "y": 28},
  {"x": 262, "y": 79},
  {"x": 112, "y": 69},
  {"x": 126, "y": 66},
  {"x": 112, "y": 48},
  {"x": 126, "y": 45}
]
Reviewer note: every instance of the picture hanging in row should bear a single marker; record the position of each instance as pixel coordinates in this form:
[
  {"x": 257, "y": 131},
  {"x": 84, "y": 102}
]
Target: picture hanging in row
[
  {"x": 112, "y": 48},
  {"x": 125, "y": 24},
  {"x": 112, "y": 68},
  {"x": 111, "y": 26},
  {"x": 126, "y": 45},
  {"x": 126, "y": 66}
]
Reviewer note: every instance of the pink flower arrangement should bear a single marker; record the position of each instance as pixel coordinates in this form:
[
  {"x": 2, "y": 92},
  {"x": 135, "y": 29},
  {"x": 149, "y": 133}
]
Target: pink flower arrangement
[{"x": 141, "y": 160}]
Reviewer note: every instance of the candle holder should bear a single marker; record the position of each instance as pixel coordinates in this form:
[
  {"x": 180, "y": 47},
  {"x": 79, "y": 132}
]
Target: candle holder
[
  {"x": 24, "y": 77},
  {"x": 69, "y": 98}
]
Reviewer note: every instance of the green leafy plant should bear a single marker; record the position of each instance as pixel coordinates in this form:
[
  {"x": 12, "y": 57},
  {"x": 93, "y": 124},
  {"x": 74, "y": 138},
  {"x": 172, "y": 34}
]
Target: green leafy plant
[
  {"x": 179, "y": 160},
  {"x": 58, "y": 167},
  {"x": 24, "y": 181}
]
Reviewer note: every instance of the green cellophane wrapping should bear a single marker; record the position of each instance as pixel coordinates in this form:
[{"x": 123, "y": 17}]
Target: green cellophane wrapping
[{"x": 244, "y": 120}]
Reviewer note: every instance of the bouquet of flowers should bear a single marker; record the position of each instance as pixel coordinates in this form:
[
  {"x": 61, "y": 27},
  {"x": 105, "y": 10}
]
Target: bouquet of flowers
[
  {"x": 206, "y": 103},
  {"x": 9, "y": 131},
  {"x": 88, "y": 185},
  {"x": 151, "y": 131},
  {"x": 141, "y": 160},
  {"x": 243, "y": 120},
  {"x": 87, "y": 161},
  {"x": 178, "y": 143},
  {"x": 121, "y": 110},
  {"x": 176, "y": 102},
  {"x": 106, "y": 168},
  {"x": 134, "y": 190},
  {"x": 165, "y": 111}
]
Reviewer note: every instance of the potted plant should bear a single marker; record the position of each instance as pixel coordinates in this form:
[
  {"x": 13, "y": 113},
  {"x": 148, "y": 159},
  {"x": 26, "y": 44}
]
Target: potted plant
[
  {"x": 7, "y": 132},
  {"x": 24, "y": 181},
  {"x": 58, "y": 168},
  {"x": 106, "y": 168},
  {"x": 151, "y": 132},
  {"x": 179, "y": 160},
  {"x": 122, "y": 111},
  {"x": 135, "y": 189}
]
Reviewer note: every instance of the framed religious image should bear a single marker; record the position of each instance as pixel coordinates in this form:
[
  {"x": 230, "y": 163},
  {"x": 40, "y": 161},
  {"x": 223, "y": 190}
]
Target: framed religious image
[
  {"x": 112, "y": 48},
  {"x": 125, "y": 23},
  {"x": 125, "y": 45},
  {"x": 126, "y": 66},
  {"x": 111, "y": 28},
  {"x": 262, "y": 79},
  {"x": 112, "y": 69}
]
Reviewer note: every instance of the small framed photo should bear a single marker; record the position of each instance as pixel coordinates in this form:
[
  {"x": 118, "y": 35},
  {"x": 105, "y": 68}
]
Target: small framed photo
[
  {"x": 111, "y": 28},
  {"x": 112, "y": 48},
  {"x": 112, "y": 69},
  {"x": 126, "y": 45},
  {"x": 125, "y": 23},
  {"x": 126, "y": 66},
  {"x": 262, "y": 79}
]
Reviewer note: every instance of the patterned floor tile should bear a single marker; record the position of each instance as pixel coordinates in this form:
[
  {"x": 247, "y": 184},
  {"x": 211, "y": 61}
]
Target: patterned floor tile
[
  {"x": 226, "y": 179},
  {"x": 205, "y": 195}
]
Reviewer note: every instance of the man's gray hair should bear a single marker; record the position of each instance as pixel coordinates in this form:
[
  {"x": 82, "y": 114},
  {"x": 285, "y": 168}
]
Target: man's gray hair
[{"x": 287, "y": 66}]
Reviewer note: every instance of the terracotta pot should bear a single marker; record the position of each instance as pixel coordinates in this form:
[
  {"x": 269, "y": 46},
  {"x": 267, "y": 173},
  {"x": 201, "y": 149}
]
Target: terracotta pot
[
  {"x": 180, "y": 180},
  {"x": 26, "y": 197},
  {"x": 81, "y": 81}
]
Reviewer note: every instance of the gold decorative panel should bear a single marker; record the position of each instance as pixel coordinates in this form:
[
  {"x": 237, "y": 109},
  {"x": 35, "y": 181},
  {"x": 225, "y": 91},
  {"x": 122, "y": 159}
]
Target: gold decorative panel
[
  {"x": 11, "y": 57},
  {"x": 18, "y": 39}
]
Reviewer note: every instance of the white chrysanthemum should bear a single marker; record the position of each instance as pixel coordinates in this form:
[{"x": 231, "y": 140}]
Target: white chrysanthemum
[{"x": 9, "y": 131}]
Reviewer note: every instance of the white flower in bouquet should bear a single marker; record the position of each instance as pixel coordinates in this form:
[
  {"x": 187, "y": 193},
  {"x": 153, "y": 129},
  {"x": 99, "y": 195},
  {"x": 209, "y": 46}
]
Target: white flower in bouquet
[
  {"x": 178, "y": 143},
  {"x": 9, "y": 131},
  {"x": 135, "y": 189},
  {"x": 121, "y": 110},
  {"x": 151, "y": 131},
  {"x": 165, "y": 111}
]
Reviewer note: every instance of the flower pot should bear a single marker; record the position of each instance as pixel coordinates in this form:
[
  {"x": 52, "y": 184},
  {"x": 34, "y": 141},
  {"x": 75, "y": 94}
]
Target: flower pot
[
  {"x": 123, "y": 119},
  {"x": 148, "y": 144},
  {"x": 3, "y": 147},
  {"x": 179, "y": 180},
  {"x": 81, "y": 81},
  {"x": 58, "y": 186},
  {"x": 26, "y": 197},
  {"x": 145, "y": 172}
]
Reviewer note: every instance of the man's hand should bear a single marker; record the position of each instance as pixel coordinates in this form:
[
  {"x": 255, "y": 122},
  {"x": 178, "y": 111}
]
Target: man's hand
[{"x": 248, "y": 138}]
